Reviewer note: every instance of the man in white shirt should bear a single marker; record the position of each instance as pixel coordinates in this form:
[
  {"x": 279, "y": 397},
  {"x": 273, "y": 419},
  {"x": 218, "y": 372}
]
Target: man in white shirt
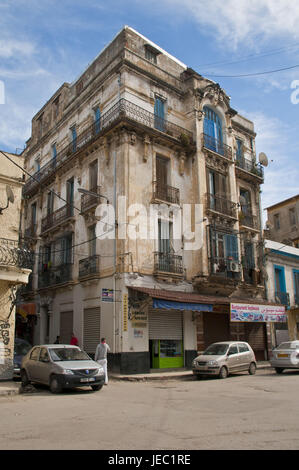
[{"x": 101, "y": 356}]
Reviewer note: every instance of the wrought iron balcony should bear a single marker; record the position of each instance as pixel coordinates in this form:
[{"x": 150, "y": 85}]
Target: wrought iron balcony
[
  {"x": 57, "y": 217},
  {"x": 50, "y": 276},
  {"x": 88, "y": 201},
  {"x": 89, "y": 266},
  {"x": 166, "y": 193},
  {"x": 168, "y": 263},
  {"x": 283, "y": 298},
  {"x": 211, "y": 143},
  {"x": 122, "y": 110},
  {"x": 248, "y": 220},
  {"x": 250, "y": 166},
  {"x": 221, "y": 205},
  {"x": 226, "y": 267},
  {"x": 12, "y": 253}
]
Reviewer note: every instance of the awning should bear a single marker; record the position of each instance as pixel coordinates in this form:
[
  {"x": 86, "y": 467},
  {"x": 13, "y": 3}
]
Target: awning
[{"x": 171, "y": 305}]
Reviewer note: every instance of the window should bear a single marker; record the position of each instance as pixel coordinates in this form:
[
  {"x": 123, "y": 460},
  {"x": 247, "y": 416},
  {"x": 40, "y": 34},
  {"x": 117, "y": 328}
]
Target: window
[
  {"x": 217, "y": 190},
  {"x": 233, "y": 350},
  {"x": 213, "y": 138},
  {"x": 239, "y": 151},
  {"x": 296, "y": 286},
  {"x": 56, "y": 107},
  {"x": 37, "y": 165},
  {"x": 93, "y": 240},
  {"x": 97, "y": 119},
  {"x": 70, "y": 196},
  {"x": 243, "y": 348},
  {"x": 43, "y": 357},
  {"x": 34, "y": 354},
  {"x": 40, "y": 126},
  {"x": 276, "y": 221},
  {"x": 292, "y": 216},
  {"x": 50, "y": 203},
  {"x": 54, "y": 154},
  {"x": 150, "y": 55},
  {"x": 93, "y": 176},
  {"x": 74, "y": 138},
  {"x": 159, "y": 112}
]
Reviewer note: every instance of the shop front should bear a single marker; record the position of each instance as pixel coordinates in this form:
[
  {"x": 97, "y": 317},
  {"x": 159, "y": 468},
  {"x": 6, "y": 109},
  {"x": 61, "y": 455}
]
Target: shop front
[{"x": 26, "y": 320}]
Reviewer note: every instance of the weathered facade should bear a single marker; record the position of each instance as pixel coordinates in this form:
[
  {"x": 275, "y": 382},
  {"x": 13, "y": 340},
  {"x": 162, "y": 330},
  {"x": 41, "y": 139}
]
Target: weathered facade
[
  {"x": 136, "y": 130},
  {"x": 15, "y": 260},
  {"x": 283, "y": 222}
]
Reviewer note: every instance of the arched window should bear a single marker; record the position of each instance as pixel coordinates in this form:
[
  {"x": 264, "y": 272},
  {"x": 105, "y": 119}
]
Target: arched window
[{"x": 213, "y": 138}]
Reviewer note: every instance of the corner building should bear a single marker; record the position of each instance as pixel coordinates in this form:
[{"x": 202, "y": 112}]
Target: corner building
[{"x": 138, "y": 127}]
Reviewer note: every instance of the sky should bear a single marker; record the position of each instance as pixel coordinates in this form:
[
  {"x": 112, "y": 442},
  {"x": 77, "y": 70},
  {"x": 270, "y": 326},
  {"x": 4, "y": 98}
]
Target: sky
[{"x": 44, "y": 43}]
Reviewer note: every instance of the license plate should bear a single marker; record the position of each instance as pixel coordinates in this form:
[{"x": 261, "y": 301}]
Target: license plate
[
  {"x": 282, "y": 355},
  {"x": 92, "y": 379}
]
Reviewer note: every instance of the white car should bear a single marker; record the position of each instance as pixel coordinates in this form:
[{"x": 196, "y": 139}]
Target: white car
[{"x": 285, "y": 356}]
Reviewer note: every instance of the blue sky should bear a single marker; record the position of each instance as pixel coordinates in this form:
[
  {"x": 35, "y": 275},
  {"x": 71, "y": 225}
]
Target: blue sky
[{"x": 47, "y": 42}]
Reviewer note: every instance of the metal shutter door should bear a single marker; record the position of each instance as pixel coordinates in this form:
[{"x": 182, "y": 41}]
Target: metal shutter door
[
  {"x": 165, "y": 324},
  {"x": 91, "y": 331},
  {"x": 66, "y": 327}
]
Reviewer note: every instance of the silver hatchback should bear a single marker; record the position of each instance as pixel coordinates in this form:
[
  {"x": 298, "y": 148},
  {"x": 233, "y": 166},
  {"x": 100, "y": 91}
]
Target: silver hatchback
[
  {"x": 61, "y": 366},
  {"x": 222, "y": 359},
  {"x": 285, "y": 356}
]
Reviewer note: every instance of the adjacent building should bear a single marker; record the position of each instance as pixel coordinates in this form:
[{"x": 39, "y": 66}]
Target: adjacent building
[
  {"x": 15, "y": 258},
  {"x": 283, "y": 222},
  {"x": 143, "y": 209},
  {"x": 282, "y": 282}
]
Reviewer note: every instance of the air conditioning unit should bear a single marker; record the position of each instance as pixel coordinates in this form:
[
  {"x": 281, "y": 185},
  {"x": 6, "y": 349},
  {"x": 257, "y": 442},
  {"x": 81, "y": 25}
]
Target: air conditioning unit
[{"x": 233, "y": 266}]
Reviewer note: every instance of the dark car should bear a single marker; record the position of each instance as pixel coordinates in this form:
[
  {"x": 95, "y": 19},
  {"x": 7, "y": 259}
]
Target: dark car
[{"x": 21, "y": 349}]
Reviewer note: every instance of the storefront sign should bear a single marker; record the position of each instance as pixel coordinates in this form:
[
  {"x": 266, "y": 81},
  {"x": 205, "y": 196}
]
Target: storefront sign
[
  {"x": 107, "y": 295},
  {"x": 257, "y": 313},
  {"x": 125, "y": 312}
]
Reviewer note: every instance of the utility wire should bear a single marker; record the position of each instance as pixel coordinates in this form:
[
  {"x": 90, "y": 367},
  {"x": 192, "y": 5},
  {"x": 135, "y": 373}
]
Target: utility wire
[{"x": 251, "y": 74}]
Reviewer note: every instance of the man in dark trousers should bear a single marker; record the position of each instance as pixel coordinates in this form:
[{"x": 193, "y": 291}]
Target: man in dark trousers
[{"x": 101, "y": 356}]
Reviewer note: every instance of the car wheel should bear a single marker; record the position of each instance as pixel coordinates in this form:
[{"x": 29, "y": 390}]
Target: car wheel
[
  {"x": 223, "y": 373},
  {"x": 96, "y": 387},
  {"x": 278, "y": 370},
  {"x": 252, "y": 368},
  {"x": 24, "y": 378},
  {"x": 55, "y": 386}
]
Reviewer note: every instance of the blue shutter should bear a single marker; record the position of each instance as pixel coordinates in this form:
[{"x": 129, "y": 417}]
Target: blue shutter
[
  {"x": 74, "y": 136},
  {"x": 231, "y": 247},
  {"x": 159, "y": 114},
  {"x": 97, "y": 115}
]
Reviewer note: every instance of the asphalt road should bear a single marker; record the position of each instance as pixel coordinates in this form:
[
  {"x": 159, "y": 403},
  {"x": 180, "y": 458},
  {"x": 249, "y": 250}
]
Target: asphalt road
[{"x": 240, "y": 412}]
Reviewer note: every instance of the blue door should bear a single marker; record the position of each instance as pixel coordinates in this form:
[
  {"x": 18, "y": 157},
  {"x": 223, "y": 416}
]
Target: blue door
[{"x": 159, "y": 114}]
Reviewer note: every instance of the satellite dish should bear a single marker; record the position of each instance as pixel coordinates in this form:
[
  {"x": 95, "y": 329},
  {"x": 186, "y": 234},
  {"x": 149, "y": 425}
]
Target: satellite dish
[
  {"x": 263, "y": 159},
  {"x": 10, "y": 195}
]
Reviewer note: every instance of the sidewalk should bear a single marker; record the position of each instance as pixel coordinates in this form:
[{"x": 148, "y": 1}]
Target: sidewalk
[{"x": 11, "y": 387}]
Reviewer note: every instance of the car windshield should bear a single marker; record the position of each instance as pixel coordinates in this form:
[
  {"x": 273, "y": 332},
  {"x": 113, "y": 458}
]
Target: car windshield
[
  {"x": 288, "y": 346},
  {"x": 216, "y": 349},
  {"x": 22, "y": 348},
  {"x": 68, "y": 354}
]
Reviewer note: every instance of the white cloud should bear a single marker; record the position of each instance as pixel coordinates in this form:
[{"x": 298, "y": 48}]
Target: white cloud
[{"x": 12, "y": 48}]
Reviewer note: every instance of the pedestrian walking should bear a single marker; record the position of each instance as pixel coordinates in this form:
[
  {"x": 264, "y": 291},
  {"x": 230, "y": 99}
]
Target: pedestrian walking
[
  {"x": 57, "y": 341},
  {"x": 74, "y": 340},
  {"x": 101, "y": 356}
]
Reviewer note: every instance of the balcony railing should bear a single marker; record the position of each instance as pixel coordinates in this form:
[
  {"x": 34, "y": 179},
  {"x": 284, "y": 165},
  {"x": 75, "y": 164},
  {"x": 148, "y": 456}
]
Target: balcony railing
[
  {"x": 221, "y": 205},
  {"x": 55, "y": 275},
  {"x": 57, "y": 217},
  {"x": 166, "y": 193},
  {"x": 248, "y": 220},
  {"x": 88, "y": 201},
  {"x": 89, "y": 266},
  {"x": 250, "y": 166},
  {"x": 283, "y": 298},
  {"x": 12, "y": 253},
  {"x": 168, "y": 263},
  {"x": 123, "y": 109},
  {"x": 226, "y": 267},
  {"x": 211, "y": 143}
]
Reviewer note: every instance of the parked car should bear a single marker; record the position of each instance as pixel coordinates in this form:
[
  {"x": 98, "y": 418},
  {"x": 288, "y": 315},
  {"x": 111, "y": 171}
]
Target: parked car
[
  {"x": 224, "y": 358},
  {"x": 20, "y": 350},
  {"x": 285, "y": 356},
  {"x": 61, "y": 366}
]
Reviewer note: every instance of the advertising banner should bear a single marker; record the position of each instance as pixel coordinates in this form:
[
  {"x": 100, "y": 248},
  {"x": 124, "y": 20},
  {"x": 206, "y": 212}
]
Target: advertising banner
[{"x": 257, "y": 313}]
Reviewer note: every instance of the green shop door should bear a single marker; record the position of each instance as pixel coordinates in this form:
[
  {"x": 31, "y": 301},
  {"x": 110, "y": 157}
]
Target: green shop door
[{"x": 167, "y": 353}]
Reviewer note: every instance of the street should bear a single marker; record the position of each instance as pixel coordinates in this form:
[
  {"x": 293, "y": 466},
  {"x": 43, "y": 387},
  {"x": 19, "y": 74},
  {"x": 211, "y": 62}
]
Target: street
[{"x": 241, "y": 412}]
